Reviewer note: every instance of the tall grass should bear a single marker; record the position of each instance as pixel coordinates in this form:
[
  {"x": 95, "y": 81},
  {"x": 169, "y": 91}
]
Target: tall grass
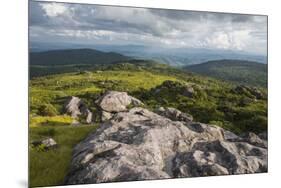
[{"x": 49, "y": 168}]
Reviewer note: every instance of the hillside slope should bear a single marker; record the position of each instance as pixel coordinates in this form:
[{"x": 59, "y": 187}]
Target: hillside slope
[
  {"x": 206, "y": 99},
  {"x": 75, "y": 56},
  {"x": 234, "y": 108},
  {"x": 237, "y": 71}
]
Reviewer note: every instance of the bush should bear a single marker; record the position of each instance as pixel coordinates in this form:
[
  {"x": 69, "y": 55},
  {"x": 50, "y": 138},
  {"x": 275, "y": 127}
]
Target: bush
[
  {"x": 255, "y": 124},
  {"x": 47, "y": 110}
]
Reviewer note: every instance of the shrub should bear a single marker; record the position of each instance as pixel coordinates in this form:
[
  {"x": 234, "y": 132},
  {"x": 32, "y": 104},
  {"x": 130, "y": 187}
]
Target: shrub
[{"x": 47, "y": 110}]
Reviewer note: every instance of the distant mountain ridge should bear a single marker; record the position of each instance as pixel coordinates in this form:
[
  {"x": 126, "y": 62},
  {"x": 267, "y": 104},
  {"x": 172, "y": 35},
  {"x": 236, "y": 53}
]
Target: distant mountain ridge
[
  {"x": 237, "y": 71},
  {"x": 75, "y": 56},
  {"x": 69, "y": 60},
  {"x": 173, "y": 56}
]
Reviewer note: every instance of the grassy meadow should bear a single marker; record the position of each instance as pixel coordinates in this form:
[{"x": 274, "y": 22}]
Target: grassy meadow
[{"x": 214, "y": 101}]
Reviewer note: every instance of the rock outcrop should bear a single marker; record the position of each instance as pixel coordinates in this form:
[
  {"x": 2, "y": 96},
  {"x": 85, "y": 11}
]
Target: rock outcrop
[
  {"x": 250, "y": 91},
  {"x": 77, "y": 108},
  {"x": 138, "y": 144}
]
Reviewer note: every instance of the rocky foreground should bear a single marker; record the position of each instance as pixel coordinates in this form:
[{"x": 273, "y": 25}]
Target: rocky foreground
[{"x": 138, "y": 144}]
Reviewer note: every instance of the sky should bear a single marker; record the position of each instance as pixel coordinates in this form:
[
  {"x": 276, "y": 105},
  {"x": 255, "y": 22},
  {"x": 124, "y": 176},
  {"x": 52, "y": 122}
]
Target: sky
[{"x": 108, "y": 25}]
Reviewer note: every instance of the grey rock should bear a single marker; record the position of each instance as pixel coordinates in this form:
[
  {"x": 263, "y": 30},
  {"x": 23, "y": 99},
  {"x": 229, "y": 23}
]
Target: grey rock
[
  {"x": 174, "y": 114},
  {"x": 140, "y": 145},
  {"x": 188, "y": 91},
  {"x": 254, "y": 139},
  {"x": 72, "y": 106},
  {"x": 263, "y": 135},
  {"x": 220, "y": 158},
  {"x": 250, "y": 138},
  {"x": 230, "y": 135},
  {"x": 114, "y": 101},
  {"x": 76, "y": 108},
  {"x": 48, "y": 143},
  {"x": 89, "y": 116},
  {"x": 136, "y": 102}
]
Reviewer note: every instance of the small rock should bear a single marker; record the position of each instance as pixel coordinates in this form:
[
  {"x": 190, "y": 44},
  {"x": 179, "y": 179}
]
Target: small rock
[
  {"x": 48, "y": 143},
  {"x": 89, "y": 117},
  {"x": 136, "y": 102},
  {"x": 174, "y": 114},
  {"x": 254, "y": 139},
  {"x": 188, "y": 91}
]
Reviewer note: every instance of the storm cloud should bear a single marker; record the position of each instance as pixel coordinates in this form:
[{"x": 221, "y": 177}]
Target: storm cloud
[{"x": 95, "y": 24}]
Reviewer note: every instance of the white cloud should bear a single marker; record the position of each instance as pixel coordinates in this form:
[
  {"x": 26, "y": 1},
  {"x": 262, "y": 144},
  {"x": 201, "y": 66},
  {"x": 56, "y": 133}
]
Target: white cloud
[
  {"x": 219, "y": 40},
  {"x": 54, "y": 9}
]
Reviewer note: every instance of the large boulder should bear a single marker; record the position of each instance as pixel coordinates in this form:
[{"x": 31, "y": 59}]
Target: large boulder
[
  {"x": 113, "y": 101},
  {"x": 77, "y": 108},
  {"x": 139, "y": 145}
]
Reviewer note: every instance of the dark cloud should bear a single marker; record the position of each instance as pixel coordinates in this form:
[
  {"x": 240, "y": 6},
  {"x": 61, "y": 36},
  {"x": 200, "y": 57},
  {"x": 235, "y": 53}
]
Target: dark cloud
[
  {"x": 36, "y": 14},
  {"x": 61, "y": 21},
  {"x": 199, "y": 16},
  {"x": 177, "y": 14}
]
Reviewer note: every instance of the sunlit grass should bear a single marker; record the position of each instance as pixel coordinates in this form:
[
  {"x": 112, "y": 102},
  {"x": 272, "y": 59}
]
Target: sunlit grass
[
  {"x": 52, "y": 88},
  {"x": 50, "y": 120}
]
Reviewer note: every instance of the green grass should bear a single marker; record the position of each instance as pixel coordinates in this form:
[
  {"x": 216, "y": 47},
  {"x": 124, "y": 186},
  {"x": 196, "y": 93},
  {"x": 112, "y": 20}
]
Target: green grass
[
  {"x": 51, "y": 89},
  {"x": 50, "y": 167}
]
